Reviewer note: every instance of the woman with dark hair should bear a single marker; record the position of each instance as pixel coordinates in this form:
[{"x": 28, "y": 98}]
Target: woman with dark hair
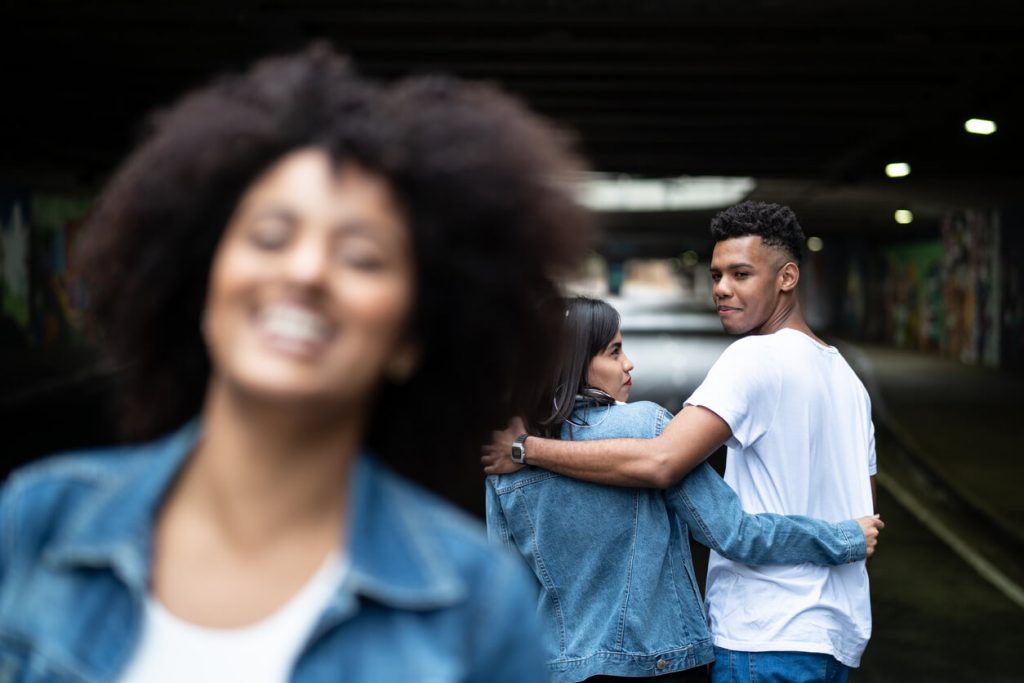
[
  {"x": 618, "y": 596},
  {"x": 305, "y": 281},
  {"x": 594, "y": 368}
]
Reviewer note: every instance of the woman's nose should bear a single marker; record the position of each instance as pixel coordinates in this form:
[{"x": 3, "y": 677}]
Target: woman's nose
[
  {"x": 307, "y": 262},
  {"x": 627, "y": 364}
]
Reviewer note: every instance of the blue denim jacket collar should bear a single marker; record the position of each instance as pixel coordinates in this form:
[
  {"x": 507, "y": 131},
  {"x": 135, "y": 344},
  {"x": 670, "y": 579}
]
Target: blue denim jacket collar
[
  {"x": 115, "y": 529},
  {"x": 392, "y": 560}
]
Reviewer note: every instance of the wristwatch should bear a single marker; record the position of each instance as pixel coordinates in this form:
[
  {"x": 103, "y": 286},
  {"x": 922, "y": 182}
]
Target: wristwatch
[{"x": 519, "y": 449}]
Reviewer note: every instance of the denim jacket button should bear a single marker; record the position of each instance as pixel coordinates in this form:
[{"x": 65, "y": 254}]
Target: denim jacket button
[{"x": 662, "y": 663}]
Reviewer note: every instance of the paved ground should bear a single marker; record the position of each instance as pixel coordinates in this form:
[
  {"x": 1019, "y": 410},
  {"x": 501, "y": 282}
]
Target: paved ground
[
  {"x": 963, "y": 422},
  {"x": 935, "y": 619}
]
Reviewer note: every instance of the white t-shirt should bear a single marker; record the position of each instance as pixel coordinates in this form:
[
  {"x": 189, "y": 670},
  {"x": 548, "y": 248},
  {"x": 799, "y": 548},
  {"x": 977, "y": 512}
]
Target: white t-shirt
[
  {"x": 802, "y": 443},
  {"x": 173, "y": 650}
]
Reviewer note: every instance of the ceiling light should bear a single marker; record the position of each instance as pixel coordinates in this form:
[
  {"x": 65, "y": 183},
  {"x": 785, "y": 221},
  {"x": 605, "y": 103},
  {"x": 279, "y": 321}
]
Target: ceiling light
[
  {"x": 980, "y": 126},
  {"x": 903, "y": 216},
  {"x": 815, "y": 244},
  {"x": 623, "y": 193},
  {"x": 897, "y": 170}
]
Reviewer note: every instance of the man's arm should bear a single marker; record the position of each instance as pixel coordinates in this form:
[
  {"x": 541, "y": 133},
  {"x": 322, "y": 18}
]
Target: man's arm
[
  {"x": 687, "y": 441},
  {"x": 714, "y": 515}
]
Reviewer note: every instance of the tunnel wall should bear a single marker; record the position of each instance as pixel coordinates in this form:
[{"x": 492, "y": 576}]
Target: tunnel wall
[
  {"x": 54, "y": 394},
  {"x": 957, "y": 294},
  {"x": 41, "y": 296}
]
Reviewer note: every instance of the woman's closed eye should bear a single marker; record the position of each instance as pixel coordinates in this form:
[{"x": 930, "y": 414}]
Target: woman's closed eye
[
  {"x": 361, "y": 250},
  {"x": 360, "y": 257},
  {"x": 271, "y": 232}
]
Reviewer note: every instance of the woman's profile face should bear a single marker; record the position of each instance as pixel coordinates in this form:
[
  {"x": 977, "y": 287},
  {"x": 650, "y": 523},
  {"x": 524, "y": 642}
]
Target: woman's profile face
[
  {"x": 311, "y": 286},
  {"x": 609, "y": 370}
]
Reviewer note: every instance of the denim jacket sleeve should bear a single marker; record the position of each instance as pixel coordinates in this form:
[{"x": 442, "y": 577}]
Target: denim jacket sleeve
[{"x": 713, "y": 512}]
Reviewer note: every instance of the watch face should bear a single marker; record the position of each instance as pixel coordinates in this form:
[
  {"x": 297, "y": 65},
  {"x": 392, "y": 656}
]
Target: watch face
[{"x": 518, "y": 452}]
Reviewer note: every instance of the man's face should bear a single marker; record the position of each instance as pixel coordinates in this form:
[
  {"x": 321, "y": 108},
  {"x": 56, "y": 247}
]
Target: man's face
[{"x": 746, "y": 283}]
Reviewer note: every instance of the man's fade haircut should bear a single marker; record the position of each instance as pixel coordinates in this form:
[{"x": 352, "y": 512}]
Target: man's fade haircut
[{"x": 775, "y": 224}]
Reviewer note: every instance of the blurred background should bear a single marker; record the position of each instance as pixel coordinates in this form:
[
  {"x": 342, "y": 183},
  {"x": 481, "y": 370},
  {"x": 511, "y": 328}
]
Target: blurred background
[{"x": 893, "y": 129}]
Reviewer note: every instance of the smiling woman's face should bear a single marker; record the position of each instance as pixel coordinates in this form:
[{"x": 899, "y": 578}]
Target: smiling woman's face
[
  {"x": 311, "y": 286},
  {"x": 609, "y": 370}
]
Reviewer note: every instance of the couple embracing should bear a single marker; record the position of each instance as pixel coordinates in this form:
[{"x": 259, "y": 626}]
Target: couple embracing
[{"x": 602, "y": 509}]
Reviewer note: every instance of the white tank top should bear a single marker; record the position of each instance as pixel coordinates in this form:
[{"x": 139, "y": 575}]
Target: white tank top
[{"x": 174, "y": 650}]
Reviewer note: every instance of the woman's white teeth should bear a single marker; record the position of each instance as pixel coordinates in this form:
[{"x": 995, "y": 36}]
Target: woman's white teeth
[{"x": 296, "y": 324}]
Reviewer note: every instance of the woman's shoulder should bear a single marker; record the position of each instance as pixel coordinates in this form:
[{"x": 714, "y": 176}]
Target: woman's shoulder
[
  {"x": 71, "y": 472},
  {"x": 45, "y": 498},
  {"x": 100, "y": 466},
  {"x": 641, "y": 419},
  {"x": 641, "y": 408}
]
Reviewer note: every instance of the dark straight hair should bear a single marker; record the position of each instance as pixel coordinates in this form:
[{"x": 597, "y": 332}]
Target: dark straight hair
[{"x": 590, "y": 325}]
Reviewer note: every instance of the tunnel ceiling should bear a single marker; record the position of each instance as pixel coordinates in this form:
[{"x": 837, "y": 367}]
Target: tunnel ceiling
[{"x": 810, "y": 98}]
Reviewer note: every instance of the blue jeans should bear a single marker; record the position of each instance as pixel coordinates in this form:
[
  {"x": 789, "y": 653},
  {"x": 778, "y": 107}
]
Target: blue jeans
[{"x": 776, "y": 667}]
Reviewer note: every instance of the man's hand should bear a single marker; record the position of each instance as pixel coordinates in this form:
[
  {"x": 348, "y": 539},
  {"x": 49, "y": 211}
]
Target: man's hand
[
  {"x": 497, "y": 455},
  {"x": 871, "y": 526}
]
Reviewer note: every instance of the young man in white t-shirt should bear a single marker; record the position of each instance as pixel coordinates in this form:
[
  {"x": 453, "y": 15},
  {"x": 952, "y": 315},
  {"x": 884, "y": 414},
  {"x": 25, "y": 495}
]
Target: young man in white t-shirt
[{"x": 797, "y": 423}]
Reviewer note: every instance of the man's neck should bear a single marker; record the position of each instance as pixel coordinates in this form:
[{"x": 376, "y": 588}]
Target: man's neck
[{"x": 788, "y": 316}]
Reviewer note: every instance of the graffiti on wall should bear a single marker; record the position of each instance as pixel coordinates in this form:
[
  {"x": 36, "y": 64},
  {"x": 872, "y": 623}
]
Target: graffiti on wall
[
  {"x": 41, "y": 297},
  {"x": 1011, "y": 323},
  {"x": 970, "y": 242},
  {"x": 14, "y": 265},
  {"x": 58, "y": 297},
  {"x": 941, "y": 295},
  {"x": 912, "y": 296}
]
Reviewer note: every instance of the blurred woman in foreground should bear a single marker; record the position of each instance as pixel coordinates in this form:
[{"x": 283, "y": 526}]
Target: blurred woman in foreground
[
  {"x": 306, "y": 280},
  {"x": 618, "y": 595}
]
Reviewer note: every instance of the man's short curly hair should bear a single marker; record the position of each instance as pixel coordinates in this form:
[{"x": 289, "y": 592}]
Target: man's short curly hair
[
  {"x": 485, "y": 187},
  {"x": 775, "y": 224}
]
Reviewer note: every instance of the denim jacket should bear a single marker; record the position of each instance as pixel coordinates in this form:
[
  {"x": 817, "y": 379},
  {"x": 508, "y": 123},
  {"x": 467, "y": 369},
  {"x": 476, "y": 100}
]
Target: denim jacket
[
  {"x": 618, "y": 592},
  {"x": 425, "y": 599}
]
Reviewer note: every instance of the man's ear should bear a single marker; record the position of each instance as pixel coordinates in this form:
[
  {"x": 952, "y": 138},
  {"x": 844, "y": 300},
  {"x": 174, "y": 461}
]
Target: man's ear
[{"x": 789, "y": 276}]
